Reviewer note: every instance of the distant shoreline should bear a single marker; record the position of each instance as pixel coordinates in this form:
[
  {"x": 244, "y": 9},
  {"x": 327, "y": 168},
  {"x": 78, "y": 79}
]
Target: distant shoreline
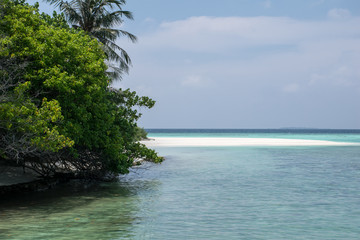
[
  {"x": 252, "y": 130},
  {"x": 222, "y": 142}
]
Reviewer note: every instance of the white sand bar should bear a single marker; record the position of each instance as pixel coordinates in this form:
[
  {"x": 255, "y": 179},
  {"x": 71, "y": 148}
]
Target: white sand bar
[{"x": 222, "y": 142}]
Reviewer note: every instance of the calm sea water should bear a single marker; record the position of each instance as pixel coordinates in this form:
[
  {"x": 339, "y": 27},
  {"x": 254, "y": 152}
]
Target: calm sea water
[
  {"x": 208, "y": 193},
  {"x": 340, "y": 135}
]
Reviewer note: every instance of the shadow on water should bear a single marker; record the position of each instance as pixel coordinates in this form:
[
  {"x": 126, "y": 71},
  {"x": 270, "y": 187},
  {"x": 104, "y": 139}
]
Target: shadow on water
[{"x": 77, "y": 210}]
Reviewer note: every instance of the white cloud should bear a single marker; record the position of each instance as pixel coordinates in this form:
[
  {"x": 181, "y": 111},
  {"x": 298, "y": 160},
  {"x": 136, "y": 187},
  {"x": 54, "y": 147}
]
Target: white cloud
[
  {"x": 209, "y": 34},
  {"x": 316, "y": 78},
  {"x": 291, "y": 88},
  {"x": 253, "y": 48},
  {"x": 194, "y": 81},
  {"x": 266, "y": 4},
  {"x": 247, "y": 62},
  {"x": 340, "y": 76},
  {"x": 339, "y": 13},
  {"x": 149, "y": 20}
]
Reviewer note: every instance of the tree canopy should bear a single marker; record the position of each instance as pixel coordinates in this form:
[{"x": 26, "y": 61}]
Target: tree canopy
[
  {"x": 58, "y": 112},
  {"x": 99, "y": 18}
]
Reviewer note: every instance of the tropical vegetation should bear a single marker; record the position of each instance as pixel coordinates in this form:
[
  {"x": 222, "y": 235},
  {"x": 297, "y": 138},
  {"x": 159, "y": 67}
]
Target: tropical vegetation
[
  {"x": 58, "y": 111},
  {"x": 99, "y": 18}
]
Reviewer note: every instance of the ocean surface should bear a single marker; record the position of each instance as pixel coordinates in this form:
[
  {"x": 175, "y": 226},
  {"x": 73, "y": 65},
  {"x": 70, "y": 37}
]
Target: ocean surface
[{"x": 208, "y": 193}]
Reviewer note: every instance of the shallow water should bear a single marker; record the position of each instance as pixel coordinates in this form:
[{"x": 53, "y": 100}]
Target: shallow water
[{"x": 204, "y": 193}]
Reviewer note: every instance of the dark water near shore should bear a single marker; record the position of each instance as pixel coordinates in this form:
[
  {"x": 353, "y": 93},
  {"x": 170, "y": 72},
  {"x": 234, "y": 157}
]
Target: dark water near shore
[{"x": 207, "y": 193}]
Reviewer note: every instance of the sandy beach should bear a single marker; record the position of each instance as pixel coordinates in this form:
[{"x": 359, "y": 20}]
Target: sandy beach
[{"x": 222, "y": 142}]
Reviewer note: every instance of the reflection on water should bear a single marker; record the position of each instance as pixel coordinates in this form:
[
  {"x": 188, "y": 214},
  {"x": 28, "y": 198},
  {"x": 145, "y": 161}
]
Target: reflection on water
[{"x": 78, "y": 211}]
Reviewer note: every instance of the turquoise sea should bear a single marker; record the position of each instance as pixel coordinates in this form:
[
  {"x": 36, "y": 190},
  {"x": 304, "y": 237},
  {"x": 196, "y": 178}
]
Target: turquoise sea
[{"x": 208, "y": 193}]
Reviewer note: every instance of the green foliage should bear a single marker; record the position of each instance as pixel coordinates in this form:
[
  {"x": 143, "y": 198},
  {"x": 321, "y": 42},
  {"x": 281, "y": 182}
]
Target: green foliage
[
  {"x": 63, "y": 101},
  {"x": 57, "y": 20},
  {"x": 19, "y": 114},
  {"x": 99, "y": 18},
  {"x": 26, "y": 129},
  {"x": 140, "y": 134}
]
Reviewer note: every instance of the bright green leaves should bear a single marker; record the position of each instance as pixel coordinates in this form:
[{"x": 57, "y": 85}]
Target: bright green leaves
[
  {"x": 15, "y": 24},
  {"x": 98, "y": 19},
  {"x": 36, "y": 125},
  {"x": 60, "y": 103},
  {"x": 47, "y": 135},
  {"x": 20, "y": 90},
  {"x": 57, "y": 20}
]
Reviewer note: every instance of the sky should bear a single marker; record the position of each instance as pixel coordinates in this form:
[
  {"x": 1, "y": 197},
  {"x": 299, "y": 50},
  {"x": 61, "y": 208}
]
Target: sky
[{"x": 245, "y": 63}]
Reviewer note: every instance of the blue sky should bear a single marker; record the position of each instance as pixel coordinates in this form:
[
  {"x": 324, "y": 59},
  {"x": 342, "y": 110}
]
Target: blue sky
[{"x": 245, "y": 63}]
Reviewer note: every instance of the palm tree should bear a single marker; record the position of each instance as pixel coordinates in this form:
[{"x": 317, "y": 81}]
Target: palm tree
[{"x": 97, "y": 19}]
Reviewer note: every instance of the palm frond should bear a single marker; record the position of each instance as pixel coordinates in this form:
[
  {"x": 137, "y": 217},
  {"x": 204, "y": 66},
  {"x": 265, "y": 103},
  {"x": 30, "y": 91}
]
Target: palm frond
[
  {"x": 97, "y": 19},
  {"x": 114, "y": 72},
  {"x": 132, "y": 37},
  {"x": 56, "y": 3}
]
